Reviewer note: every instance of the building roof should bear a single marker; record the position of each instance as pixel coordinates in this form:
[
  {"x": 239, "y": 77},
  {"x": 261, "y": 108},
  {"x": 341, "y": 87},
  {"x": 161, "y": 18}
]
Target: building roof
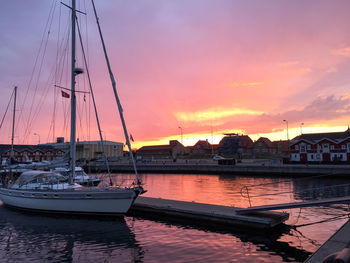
[
  {"x": 168, "y": 147},
  {"x": 315, "y": 137},
  {"x": 266, "y": 141},
  {"x": 155, "y": 148},
  {"x": 203, "y": 145},
  {"x": 83, "y": 142},
  {"x": 21, "y": 147},
  {"x": 246, "y": 142}
]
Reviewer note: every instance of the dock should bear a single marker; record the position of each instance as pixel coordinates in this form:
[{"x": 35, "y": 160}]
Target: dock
[
  {"x": 206, "y": 214},
  {"x": 339, "y": 241},
  {"x": 322, "y": 202}
]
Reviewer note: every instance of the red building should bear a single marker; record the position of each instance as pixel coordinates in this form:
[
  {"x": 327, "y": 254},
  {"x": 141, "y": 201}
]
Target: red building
[
  {"x": 31, "y": 152},
  {"x": 333, "y": 147},
  {"x": 203, "y": 147},
  {"x": 264, "y": 146}
]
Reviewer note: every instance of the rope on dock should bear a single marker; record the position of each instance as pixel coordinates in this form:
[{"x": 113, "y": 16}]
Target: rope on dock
[
  {"x": 245, "y": 189},
  {"x": 335, "y": 218}
]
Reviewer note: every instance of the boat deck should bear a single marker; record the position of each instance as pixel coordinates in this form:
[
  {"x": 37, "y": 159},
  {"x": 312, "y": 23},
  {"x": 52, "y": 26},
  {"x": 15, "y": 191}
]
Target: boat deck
[{"x": 206, "y": 213}]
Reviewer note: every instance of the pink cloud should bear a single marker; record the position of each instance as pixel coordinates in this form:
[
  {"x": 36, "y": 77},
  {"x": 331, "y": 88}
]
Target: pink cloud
[
  {"x": 342, "y": 51},
  {"x": 191, "y": 56}
]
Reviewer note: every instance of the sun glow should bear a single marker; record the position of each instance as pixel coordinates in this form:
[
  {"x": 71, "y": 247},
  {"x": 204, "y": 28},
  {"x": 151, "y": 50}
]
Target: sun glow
[{"x": 213, "y": 114}]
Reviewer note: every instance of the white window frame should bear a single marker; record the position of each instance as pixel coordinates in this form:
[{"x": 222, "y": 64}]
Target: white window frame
[{"x": 325, "y": 147}]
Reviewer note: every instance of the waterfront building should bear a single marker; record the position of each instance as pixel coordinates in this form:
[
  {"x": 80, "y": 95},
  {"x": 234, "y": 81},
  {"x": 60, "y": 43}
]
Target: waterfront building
[
  {"x": 233, "y": 143},
  {"x": 87, "y": 150},
  {"x": 282, "y": 147},
  {"x": 36, "y": 153},
  {"x": 171, "y": 150},
  {"x": 332, "y": 147},
  {"x": 203, "y": 148},
  {"x": 264, "y": 146}
]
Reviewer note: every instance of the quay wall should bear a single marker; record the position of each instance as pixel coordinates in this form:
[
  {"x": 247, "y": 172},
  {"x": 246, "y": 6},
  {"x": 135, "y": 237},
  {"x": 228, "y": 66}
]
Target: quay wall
[{"x": 240, "y": 169}]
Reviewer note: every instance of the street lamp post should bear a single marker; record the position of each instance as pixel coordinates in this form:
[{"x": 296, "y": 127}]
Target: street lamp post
[
  {"x": 287, "y": 129},
  {"x": 301, "y": 128},
  {"x": 38, "y": 136},
  {"x": 181, "y": 135}
]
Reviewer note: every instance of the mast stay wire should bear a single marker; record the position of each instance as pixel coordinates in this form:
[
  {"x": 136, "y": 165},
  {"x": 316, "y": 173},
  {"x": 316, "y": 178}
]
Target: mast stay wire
[
  {"x": 40, "y": 103},
  {"x": 120, "y": 108},
  {"x": 85, "y": 104},
  {"x": 65, "y": 108},
  {"x": 93, "y": 99},
  {"x": 35, "y": 64},
  {"x": 50, "y": 20},
  {"x": 88, "y": 112},
  {"x": 56, "y": 76},
  {"x": 53, "y": 122},
  {"x": 63, "y": 49},
  {"x": 8, "y": 105}
]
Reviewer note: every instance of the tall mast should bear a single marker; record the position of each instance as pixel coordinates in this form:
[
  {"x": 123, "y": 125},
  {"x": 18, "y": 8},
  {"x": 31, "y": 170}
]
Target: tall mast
[
  {"x": 116, "y": 96},
  {"x": 73, "y": 101},
  {"x": 13, "y": 123}
]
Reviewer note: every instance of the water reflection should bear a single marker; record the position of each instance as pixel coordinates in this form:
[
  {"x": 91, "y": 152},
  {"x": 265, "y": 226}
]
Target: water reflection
[
  {"x": 253, "y": 240},
  {"x": 31, "y": 237},
  {"x": 320, "y": 188},
  {"x": 226, "y": 190}
]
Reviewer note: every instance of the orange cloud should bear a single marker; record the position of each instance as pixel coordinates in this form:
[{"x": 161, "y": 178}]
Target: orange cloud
[
  {"x": 288, "y": 63},
  {"x": 213, "y": 114},
  {"x": 246, "y": 84},
  {"x": 342, "y": 52}
]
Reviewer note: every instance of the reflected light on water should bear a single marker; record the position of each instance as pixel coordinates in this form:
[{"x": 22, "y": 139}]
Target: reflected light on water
[
  {"x": 230, "y": 190},
  {"x": 42, "y": 238}
]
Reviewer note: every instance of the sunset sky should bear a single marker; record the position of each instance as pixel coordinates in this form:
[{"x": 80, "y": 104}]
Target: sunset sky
[{"x": 209, "y": 67}]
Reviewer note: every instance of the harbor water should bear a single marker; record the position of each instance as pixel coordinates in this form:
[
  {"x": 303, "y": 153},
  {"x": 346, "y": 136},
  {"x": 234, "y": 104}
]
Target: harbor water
[{"x": 31, "y": 237}]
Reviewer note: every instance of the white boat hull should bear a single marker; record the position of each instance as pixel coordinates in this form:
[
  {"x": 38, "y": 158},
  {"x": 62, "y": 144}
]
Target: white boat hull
[{"x": 116, "y": 201}]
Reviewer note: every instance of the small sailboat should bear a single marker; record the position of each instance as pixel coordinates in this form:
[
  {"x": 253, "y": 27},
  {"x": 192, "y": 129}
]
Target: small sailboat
[
  {"x": 50, "y": 191},
  {"x": 80, "y": 176}
]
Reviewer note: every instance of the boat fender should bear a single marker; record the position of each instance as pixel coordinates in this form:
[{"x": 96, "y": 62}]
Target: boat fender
[{"x": 342, "y": 256}]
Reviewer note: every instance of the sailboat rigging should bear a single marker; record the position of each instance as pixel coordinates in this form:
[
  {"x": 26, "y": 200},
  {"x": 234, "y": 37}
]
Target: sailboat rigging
[{"x": 49, "y": 191}]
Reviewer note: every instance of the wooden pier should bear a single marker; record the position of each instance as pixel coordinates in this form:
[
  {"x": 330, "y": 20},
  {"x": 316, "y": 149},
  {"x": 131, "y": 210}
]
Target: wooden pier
[{"x": 206, "y": 214}]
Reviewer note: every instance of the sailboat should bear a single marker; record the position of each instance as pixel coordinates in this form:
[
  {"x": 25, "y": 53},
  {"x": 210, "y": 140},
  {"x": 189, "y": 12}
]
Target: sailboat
[
  {"x": 50, "y": 192},
  {"x": 80, "y": 176}
]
